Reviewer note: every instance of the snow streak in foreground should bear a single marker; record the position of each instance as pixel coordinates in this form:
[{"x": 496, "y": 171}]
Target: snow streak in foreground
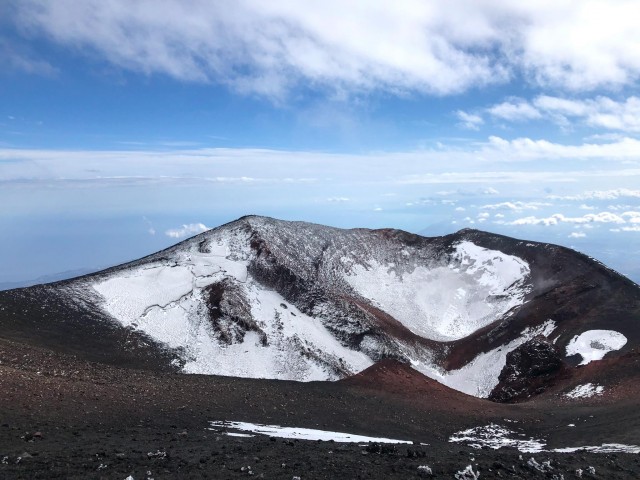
[
  {"x": 496, "y": 436},
  {"x": 297, "y": 433}
]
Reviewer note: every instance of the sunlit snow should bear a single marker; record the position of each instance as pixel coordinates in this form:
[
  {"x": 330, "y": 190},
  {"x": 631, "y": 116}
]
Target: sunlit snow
[
  {"x": 595, "y": 344},
  {"x": 480, "y": 376},
  {"x": 437, "y": 297},
  {"x": 164, "y": 300},
  {"x": 299, "y": 433},
  {"x": 497, "y": 436},
  {"x": 451, "y": 301},
  {"x": 585, "y": 391}
]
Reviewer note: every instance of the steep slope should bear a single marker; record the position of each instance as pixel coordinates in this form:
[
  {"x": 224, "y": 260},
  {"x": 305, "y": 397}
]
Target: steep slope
[{"x": 264, "y": 298}]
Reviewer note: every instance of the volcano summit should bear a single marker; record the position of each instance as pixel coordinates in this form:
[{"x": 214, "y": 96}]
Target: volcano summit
[
  {"x": 446, "y": 330},
  {"x": 263, "y": 298}
]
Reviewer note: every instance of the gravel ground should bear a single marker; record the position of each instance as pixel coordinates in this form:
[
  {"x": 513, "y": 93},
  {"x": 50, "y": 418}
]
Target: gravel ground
[{"x": 61, "y": 417}]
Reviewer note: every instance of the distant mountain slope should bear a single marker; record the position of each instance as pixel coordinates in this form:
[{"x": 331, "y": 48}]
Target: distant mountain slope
[{"x": 265, "y": 298}]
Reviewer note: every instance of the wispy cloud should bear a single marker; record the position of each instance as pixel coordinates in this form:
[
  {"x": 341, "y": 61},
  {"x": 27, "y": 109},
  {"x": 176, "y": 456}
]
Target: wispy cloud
[
  {"x": 516, "y": 206},
  {"x": 495, "y": 162},
  {"x": 267, "y": 48},
  {"x": 613, "y": 194},
  {"x": 522, "y": 148},
  {"x": 633, "y": 228},
  {"x": 558, "y": 218},
  {"x": 514, "y": 111},
  {"x": 469, "y": 120},
  {"x": 19, "y": 59},
  {"x": 150, "y": 228},
  {"x": 600, "y": 112},
  {"x": 187, "y": 230}
]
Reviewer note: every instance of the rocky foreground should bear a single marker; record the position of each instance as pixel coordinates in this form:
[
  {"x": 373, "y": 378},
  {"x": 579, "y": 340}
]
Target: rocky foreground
[{"x": 62, "y": 417}]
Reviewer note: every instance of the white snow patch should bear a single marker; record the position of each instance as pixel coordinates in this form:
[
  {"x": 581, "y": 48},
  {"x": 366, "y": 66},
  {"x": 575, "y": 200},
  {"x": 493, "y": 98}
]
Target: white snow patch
[
  {"x": 480, "y": 376},
  {"x": 425, "y": 470},
  {"x": 604, "y": 448},
  {"x": 446, "y": 302},
  {"x": 496, "y": 436},
  {"x": 467, "y": 474},
  {"x": 585, "y": 391},
  {"x": 299, "y": 433},
  {"x": 595, "y": 344}
]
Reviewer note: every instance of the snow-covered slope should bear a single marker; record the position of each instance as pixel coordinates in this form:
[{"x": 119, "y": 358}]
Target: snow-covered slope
[
  {"x": 324, "y": 328},
  {"x": 264, "y": 298},
  {"x": 446, "y": 301}
]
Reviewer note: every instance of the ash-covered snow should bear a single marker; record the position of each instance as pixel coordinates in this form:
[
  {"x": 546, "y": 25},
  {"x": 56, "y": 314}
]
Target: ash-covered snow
[
  {"x": 585, "y": 391},
  {"x": 446, "y": 302},
  {"x": 480, "y": 376},
  {"x": 595, "y": 344},
  {"x": 298, "y": 433}
]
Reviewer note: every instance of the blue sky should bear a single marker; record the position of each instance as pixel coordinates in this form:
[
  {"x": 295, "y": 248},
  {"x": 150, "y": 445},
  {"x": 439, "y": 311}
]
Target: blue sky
[{"x": 126, "y": 127}]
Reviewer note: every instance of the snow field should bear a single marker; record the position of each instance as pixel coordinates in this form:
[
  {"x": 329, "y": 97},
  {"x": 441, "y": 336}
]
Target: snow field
[
  {"x": 446, "y": 302},
  {"x": 165, "y": 301}
]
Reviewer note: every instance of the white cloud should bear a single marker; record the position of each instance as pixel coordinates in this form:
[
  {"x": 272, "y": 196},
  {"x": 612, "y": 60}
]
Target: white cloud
[
  {"x": 577, "y": 235},
  {"x": 187, "y": 230},
  {"x": 338, "y": 199},
  {"x": 558, "y": 218},
  {"x": 465, "y": 171},
  {"x": 526, "y": 148},
  {"x": 601, "y": 195},
  {"x": 516, "y": 206},
  {"x": 469, "y": 121},
  {"x": 516, "y": 110},
  {"x": 599, "y": 112},
  {"x": 633, "y": 228},
  {"x": 408, "y": 45}
]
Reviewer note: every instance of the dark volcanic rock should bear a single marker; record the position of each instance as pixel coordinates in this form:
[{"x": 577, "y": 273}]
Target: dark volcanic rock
[
  {"x": 531, "y": 369},
  {"x": 230, "y": 313}
]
